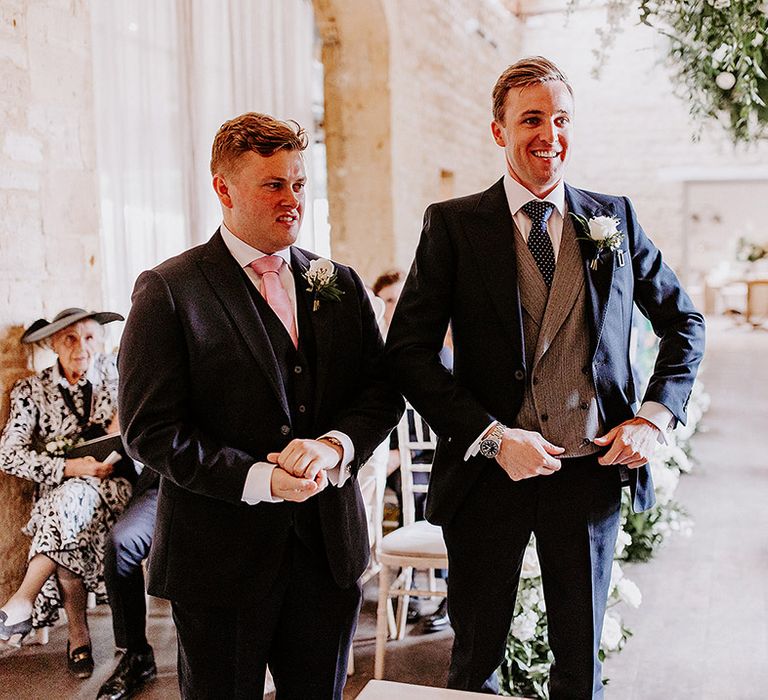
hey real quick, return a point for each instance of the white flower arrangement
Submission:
(58, 446)
(322, 279)
(603, 232)
(732, 85)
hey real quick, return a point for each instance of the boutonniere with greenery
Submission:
(58, 446)
(323, 282)
(603, 232)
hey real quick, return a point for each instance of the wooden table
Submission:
(388, 690)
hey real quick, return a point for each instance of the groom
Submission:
(538, 424)
(256, 400)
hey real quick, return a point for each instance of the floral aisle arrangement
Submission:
(718, 50)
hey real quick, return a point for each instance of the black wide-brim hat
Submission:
(42, 329)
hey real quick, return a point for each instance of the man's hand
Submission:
(632, 442)
(291, 488)
(87, 466)
(307, 458)
(525, 454)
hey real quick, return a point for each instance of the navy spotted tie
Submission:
(539, 242)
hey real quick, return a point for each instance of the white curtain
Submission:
(166, 75)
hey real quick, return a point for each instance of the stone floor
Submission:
(701, 632)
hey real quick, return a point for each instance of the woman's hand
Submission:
(87, 466)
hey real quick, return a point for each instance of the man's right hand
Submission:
(525, 454)
(292, 488)
(87, 466)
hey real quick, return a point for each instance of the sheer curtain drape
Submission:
(166, 75)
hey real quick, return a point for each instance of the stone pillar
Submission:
(49, 230)
(358, 132)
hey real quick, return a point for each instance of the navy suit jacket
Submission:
(202, 398)
(465, 272)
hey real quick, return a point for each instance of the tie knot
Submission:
(267, 263)
(538, 211)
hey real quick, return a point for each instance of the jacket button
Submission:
(535, 380)
(584, 405)
(519, 375)
(297, 369)
(585, 369)
(544, 417)
(302, 408)
(285, 429)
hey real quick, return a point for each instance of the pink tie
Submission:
(268, 268)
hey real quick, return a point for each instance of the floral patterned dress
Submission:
(71, 517)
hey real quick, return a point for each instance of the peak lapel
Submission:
(598, 281)
(323, 321)
(226, 279)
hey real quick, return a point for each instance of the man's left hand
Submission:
(306, 458)
(632, 443)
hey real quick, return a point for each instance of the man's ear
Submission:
(498, 133)
(221, 189)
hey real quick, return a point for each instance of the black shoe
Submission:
(414, 610)
(22, 628)
(133, 671)
(438, 620)
(80, 661)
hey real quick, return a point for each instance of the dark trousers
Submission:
(574, 515)
(303, 629)
(127, 547)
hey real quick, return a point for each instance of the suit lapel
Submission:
(566, 286)
(226, 279)
(322, 320)
(490, 231)
(598, 281)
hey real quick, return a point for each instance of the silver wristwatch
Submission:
(491, 443)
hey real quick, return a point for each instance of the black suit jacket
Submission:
(465, 273)
(201, 399)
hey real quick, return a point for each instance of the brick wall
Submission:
(49, 230)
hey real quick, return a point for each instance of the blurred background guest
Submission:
(77, 500)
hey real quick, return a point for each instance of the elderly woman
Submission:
(77, 499)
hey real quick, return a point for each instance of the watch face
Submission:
(489, 448)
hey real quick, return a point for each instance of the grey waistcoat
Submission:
(559, 400)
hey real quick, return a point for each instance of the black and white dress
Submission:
(71, 517)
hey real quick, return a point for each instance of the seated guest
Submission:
(77, 499)
(127, 548)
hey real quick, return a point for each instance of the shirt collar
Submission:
(245, 254)
(517, 195)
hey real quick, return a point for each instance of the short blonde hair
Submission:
(527, 71)
(256, 132)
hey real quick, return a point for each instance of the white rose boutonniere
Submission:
(604, 232)
(322, 280)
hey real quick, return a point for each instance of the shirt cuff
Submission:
(258, 484)
(339, 475)
(658, 414)
(474, 448)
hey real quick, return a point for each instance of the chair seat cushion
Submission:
(418, 539)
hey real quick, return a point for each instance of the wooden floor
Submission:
(701, 632)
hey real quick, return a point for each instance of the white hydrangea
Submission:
(531, 568)
(524, 625)
(612, 635)
(629, 593)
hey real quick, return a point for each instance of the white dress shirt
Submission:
(517, 196)
(257, 487)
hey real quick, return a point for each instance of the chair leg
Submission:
(432, 581)
(385, 578)
(402, 608)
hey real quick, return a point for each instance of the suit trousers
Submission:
(574, 514)
(303, 629)
(127, 548)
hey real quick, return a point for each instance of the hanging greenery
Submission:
(718, 52)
